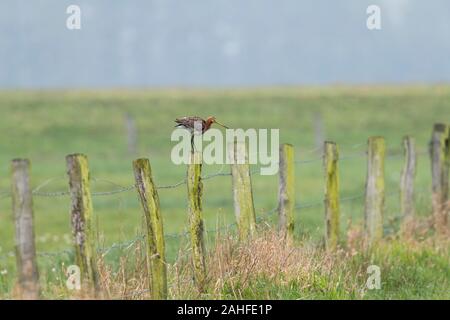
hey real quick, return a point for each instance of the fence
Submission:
(246, 219)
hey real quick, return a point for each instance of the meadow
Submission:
(45, 126)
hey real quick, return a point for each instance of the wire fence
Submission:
(121, 189)
(263, 216)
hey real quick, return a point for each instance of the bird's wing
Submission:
(188, 120)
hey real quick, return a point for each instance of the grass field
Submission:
(46, 126)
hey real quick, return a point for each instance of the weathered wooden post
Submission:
(22, 204)
(156, 262)
(375, 190)
(286, 196)
(242, 190)
(407, 178)
(332, 210)
(196, 228)
(440, 168)
(81, 217)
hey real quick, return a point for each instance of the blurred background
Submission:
(141, 43)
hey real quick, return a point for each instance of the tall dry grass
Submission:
(237, 270)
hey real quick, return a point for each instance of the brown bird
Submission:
(189, 123)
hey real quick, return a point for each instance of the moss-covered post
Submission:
(332, 210)
(407, 178)
(81, 217)
(242, 190)
(286, 195)
(22, 204)
(196, 228)
(156, 262)
(440, 164)
(375, 191)
(443, 221)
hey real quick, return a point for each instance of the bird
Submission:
(193, 123)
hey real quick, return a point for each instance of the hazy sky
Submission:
(222, 43)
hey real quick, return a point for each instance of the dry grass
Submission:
(239, 270)
(236, 266)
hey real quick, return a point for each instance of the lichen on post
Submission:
(149, 199)
(286, 195)
(22, 204)
(375, 191)
(332, 209)
(196, 227)
(81, 217)
(242, 190)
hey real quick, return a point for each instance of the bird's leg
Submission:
(192, 144)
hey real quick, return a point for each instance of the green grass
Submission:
(405, 275)
(46, 126)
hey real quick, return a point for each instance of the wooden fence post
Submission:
(196, 227)
(407, 178)
(440, 167)
(242, 190)
(81, 217)
(286, 197)
(332, 210)
(375, 190)
(156, 262)
(22, 204)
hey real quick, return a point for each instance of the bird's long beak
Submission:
(221, 125)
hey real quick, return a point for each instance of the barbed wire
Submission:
(130, 243)
(46, 182)
(341, 158)
(172, 186)
(390, 154)
(220, 173)
(51, 194)
(121, 245)
(121, 190)
(260, 218)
